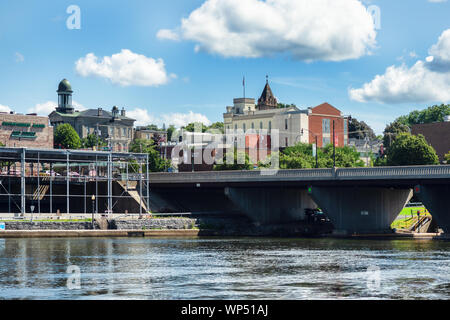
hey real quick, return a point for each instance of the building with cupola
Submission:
(112, 126)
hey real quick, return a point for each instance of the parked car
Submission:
(315, 216)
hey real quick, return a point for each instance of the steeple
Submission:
(267, 99)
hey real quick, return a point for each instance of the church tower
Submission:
(65, 97)
(267, 99)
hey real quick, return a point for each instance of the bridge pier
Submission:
(271, 205)
(361, 210)
(435, 199)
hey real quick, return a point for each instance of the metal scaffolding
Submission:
(119, 182)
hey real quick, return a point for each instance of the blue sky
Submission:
(178, 83)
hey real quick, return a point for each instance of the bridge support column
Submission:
(271, 205)
(435, 199)
(361, 210)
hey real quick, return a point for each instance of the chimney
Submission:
(122, 112)
(100, 112)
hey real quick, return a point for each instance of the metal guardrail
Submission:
(412, 172)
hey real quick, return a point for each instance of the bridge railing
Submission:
(416, 172)
(393, 172)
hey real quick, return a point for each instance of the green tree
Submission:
(434, 113)
(170, 130)
(155, 162)
(191, 126)
(284, 105)
(217, 126)
(447, 157)
(409, 149)
(92, 140)
(360, 130)
(300, 156)
(242, 164)
(66, 137)
(391, 132)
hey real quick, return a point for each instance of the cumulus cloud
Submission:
(425, 81)
(45, 108)
(331, 30)
(125, 68)
(4, 108)
(178, 119)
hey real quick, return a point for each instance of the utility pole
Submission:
(317, 152)
(334, 147)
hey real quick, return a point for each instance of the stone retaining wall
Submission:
(47, 225)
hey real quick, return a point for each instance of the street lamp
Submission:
(93, 208)
(32, 209)
(317, 147)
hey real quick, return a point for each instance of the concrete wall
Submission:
(271, 205)
(435, 199)
(361, 210)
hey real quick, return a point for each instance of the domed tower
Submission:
(65, 97)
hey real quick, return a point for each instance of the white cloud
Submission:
(437, 1)
(425, 81)
(125, 68)
(168, 34)
(331, 30)
(19, 57)
(44, 109)
(4, 108)
(143, 117)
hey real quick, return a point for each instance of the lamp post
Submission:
(93, 210)
(317, 147)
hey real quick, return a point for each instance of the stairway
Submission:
(422, 224)
(130, 187)
(40, 192)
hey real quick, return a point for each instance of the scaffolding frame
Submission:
(103, 166)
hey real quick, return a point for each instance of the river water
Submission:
(229, 268)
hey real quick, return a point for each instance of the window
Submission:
(253, 125)
(243, 127)
(270, 125)
(325, 141)
(285, 124)
(261, 125)
(326, 126)
(124, 132)
(235, 127)
(111, 131)
(286, 141)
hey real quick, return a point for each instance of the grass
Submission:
(409, 217)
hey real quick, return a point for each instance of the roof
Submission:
(267, 97)
(93, 113)
(64, 86)
(326, 108)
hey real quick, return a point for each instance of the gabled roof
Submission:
(326, 108)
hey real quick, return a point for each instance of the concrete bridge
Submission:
(357, 200)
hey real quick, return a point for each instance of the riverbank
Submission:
(154, 226)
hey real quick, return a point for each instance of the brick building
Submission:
(437, 134)
(320, 120)
(30, 130)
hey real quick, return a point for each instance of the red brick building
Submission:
(20, 130)
(320, 121)
(437, 134)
